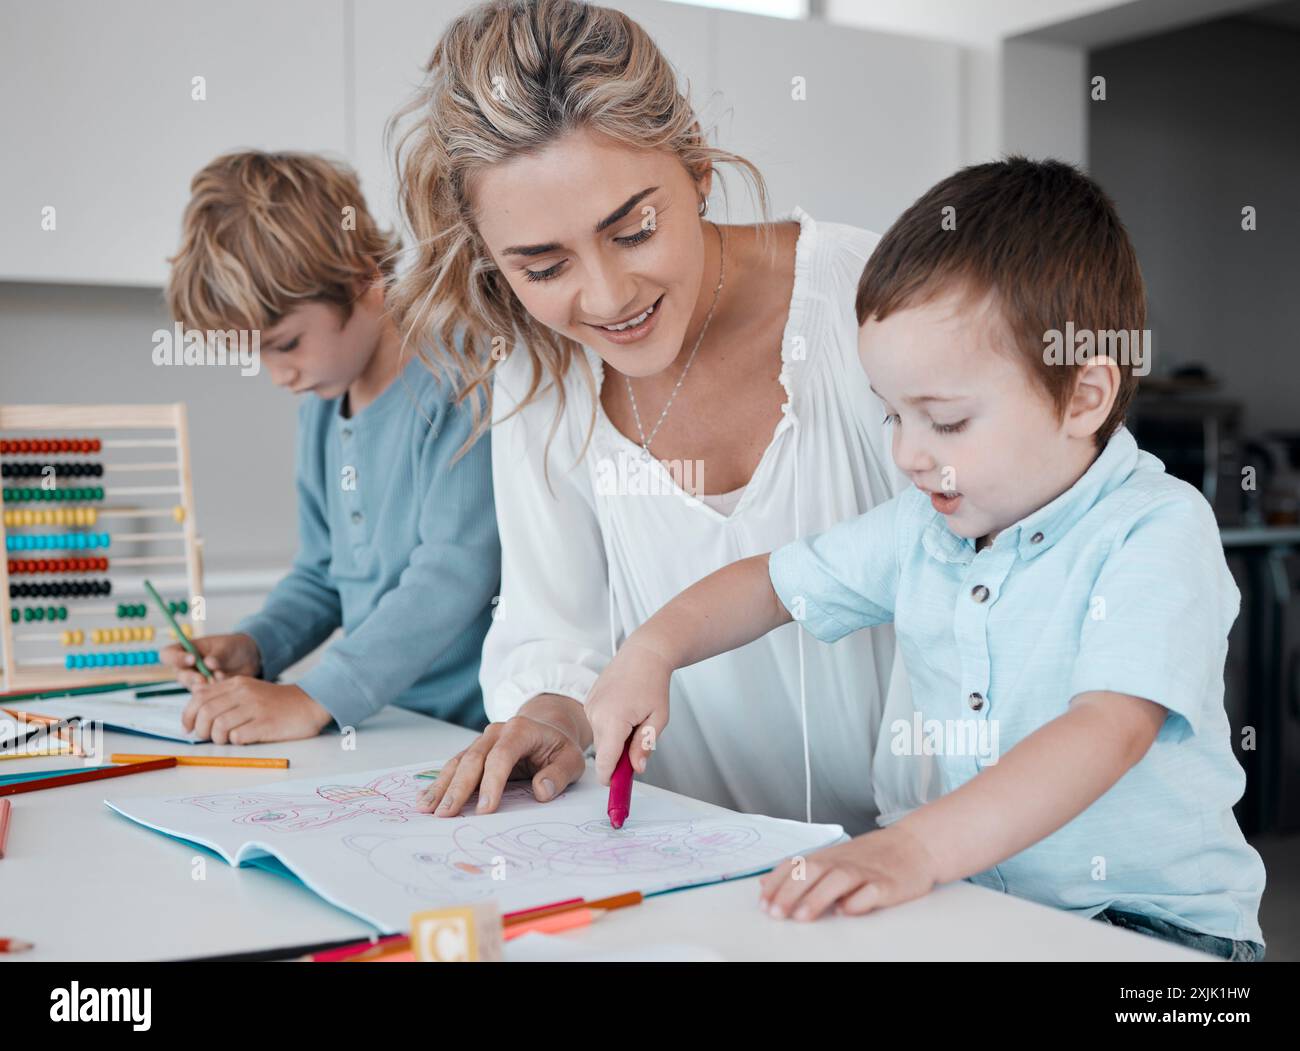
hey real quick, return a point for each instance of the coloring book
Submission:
(357, 841)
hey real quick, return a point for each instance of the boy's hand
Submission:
(629, 699)
(886, 867)
(225, 655)
(242, 710)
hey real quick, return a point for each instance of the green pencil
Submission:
(69, 691)
(180, 635)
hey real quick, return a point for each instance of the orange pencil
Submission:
(5, 809)
(201, 760)
(618, 901)
(89, 775)
(14, 945)
(568, 920)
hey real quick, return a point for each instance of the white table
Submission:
(84, 883)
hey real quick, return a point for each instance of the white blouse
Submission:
(787, 725)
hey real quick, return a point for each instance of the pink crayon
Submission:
(620, 789)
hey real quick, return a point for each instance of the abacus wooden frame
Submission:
(100, 418)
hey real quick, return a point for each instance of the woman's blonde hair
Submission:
(265, 232)
(508, 78)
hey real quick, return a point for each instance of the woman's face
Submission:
(591, 234)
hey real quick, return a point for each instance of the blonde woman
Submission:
(668, 395)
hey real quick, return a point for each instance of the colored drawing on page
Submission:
(389, 798)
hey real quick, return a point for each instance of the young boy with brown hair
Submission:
(1062, 604)
(397, 533)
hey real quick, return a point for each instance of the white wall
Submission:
(882, 119)
(97, 100)
(97, 119)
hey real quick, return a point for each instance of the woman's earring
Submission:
(704, 204)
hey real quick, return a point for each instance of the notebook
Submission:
(357, 841)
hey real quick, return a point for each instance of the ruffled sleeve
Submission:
(550, 628)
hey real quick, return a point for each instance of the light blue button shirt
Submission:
(398, 546)
(1120, 584)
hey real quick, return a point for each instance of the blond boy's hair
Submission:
(265, 232)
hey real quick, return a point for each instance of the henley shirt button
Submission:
(1037, 538)
(356, 517)
(979, 592)
(346, 432)
(976, 701)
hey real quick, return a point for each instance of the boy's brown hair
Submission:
(265, 232)
(1040, 236)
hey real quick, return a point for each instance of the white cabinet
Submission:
(99, 122)
(878, 123)
(98, 119)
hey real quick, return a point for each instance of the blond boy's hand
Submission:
(243, 710)
(886, 867)
(225, 656)
(630, 699)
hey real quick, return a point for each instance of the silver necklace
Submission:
(722, 275)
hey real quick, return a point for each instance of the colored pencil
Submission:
(38, 750)
(89, 775)
(617, 901)
(180, 635)
(287, 953)
(14, 945)
(555, 906)
(71, 691)
(342, 952)
(568, 920)
(201, 760)
(5, 810)
(36, 775)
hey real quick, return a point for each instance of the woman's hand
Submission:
(225, 656)
(885, 867)
(545, 742)
(630, 699)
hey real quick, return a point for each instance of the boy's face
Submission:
(311, 349)
(969, 424)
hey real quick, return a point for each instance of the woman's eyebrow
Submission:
(608, 221)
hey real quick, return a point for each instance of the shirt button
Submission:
(346, 432)
(976, 701)
(1037, 538)
(979, 592)
(356, 517)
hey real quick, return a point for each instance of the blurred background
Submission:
(1184, 110)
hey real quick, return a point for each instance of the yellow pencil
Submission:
(202, 760)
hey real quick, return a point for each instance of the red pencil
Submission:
(620, 789)
(88, 775)
(5, 808)
(519, 914)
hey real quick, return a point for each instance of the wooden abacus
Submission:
(86, 486)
